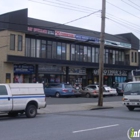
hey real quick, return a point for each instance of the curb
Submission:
(103, 107)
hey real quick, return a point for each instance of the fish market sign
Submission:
(111, 72)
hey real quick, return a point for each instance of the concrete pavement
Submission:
(77, 107)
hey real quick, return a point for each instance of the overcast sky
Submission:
(122, 16)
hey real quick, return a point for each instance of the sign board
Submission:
(111, 72)
(23, 69)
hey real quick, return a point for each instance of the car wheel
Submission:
(57, 95)
(87, 95)
(130, 108)
(31, 111)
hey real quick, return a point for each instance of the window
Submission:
(63, 51)
(89, 54)
(28, 47)
(85, 54)
(77, 52)
(110, 56)
(72, 52)
(97, 55)
(81, 50)
(132, 57)
(120, 56)
(93, 54)
(113, 57)
(117, 57)
(68, 52)
(19, 42)
(32, 47)
(59, 50)
(135, 57)
(3, 90)
(43, 49)
(38, 48)
(12, 42)
(54, 50)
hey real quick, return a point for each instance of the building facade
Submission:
(33, 50)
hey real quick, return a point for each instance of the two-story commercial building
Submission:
(34, 50)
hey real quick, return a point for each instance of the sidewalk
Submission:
(77, 107)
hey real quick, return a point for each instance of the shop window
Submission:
(63, 51)
(59, 50)
(89, 54)
(93, 54)
(28, 47)
(81, 50)
(19, 42)
(43, 48)
(85, 54)
(72, 52)
(38, 48)
(12, 42)
(32, 47)
(77, 52)
(68, 52)
(54, 50)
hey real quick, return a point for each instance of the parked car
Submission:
(120, 88)
(60, 89)
(109, 91)
(89, 92)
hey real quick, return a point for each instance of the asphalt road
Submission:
(107, 124)
(78, 100)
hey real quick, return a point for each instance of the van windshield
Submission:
(132, 88)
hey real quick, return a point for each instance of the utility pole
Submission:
(101, 54)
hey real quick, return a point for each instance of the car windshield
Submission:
(132, 87)
(68, 86)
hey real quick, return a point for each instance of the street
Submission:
(103, 124)
(72, 100)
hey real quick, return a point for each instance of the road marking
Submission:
(95, 128)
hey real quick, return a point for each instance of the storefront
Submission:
(50, 74)
(24, 73)
(110, 76)
(76, 75)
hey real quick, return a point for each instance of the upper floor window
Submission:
(132, 56)
(12, 42)
(135, 57)
(19, 42)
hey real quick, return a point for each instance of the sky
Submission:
(122, 16)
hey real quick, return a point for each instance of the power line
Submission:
(65, 4)
(82, 17)
(123, 10)
(131, 5)
(83, 11)
(77, 5)
(124, 25)
(134, 3)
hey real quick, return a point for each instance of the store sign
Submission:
(65, 34)
(75, 71)
(39, 30)
(23, 69)
(111, 72)
(87, 38)
(118, 44)
(49, 69)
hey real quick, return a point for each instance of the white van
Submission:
(18, 98)
(131, 97)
